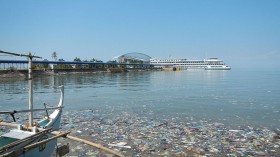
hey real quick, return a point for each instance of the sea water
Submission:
(236, 97)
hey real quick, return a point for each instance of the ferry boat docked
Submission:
(184, 64)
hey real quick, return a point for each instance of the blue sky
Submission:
(240, 32)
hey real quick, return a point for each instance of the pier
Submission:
(21, 65)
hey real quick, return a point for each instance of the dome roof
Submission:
(136, 56)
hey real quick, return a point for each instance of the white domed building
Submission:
(133, 57)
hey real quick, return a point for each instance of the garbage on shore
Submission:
(135, 134)
(139, 134)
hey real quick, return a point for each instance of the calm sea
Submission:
(235, 97)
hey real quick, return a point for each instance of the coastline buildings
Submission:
(128, 60)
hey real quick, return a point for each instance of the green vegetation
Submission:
(77, 59)
(59, 64)
(135, 61)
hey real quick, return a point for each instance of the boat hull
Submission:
(14, 142)
(44, 150)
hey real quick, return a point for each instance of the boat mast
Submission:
(30, 56)
(30, 89)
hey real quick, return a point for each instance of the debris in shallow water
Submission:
(143, 135)
(120, 145)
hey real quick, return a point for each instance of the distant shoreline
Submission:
(24, 73)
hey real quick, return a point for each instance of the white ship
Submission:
(183, 64)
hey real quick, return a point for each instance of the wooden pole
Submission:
(94, 145)
(8, 124)
(29, 80)
(30, 89)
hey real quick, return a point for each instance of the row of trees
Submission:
(54, 57)
(66, 66)
(91, 60)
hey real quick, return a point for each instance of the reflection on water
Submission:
(233, 97)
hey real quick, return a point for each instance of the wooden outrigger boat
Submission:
(37, 139)
(16, 142)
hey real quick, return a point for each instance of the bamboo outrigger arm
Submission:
(33, 110)
(12, 113)
(21, 55)
(34, 145)
(88, 143)
(65, 135)
(6, 147)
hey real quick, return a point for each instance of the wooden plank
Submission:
(6, 147)
(13, 153)
(31, 146)
(34, 145)
(73, 138)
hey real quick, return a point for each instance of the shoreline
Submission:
(6, 74)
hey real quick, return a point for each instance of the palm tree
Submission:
(54, 56)
(77, 59)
